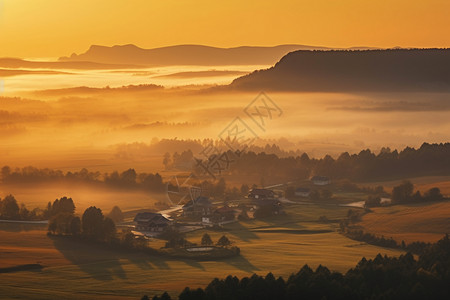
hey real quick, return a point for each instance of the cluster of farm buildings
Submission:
(206, 213)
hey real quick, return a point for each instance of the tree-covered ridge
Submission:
(383, 277)
(275, 164)
(429, 159)
(339, 71)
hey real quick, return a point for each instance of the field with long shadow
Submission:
(74, 270)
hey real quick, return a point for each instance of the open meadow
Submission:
(409, 222)
(73, 270)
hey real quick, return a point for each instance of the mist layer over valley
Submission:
(71, 130)
(111, 115)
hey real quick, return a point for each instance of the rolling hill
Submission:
(340, 71)
(187, 55)
(17, 63)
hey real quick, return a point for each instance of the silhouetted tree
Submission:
(188, 294)
(6, 172)
(244, 190)
(92, 223)
(403, 192)
(206, 240)
(109, 229)
(75, 226)
(223, 241)
(433, 194)
(128, 177)
(416, 197)
(24, 212)
(116, 214)
(164, 296)
(61, 223)
(9, 208)
(63, 205)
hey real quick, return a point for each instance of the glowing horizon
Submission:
(51, 28)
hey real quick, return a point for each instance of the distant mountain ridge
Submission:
(340, 71)
(188, 55)
(16, 63)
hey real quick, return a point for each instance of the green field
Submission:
(73, 270)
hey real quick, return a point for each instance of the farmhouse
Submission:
(221, 214)
(321, 180)
(302, 192)
(201, 206)
(149, 221)
(224, 213)
(261, 194)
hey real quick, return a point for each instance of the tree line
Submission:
(11, 210)
(128, 179)
(428, 159)
(93, 225)
(383, 277)
(346, 227)
(404, 193)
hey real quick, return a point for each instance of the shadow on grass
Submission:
(194, 264)
(95, 260)
(241, 232)
(158, 261)
(241, 263)
(20, 227)
(140, 262)
(102, 263)
(28, 267)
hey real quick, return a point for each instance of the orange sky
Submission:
(52, 28)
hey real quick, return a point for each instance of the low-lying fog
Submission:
(74, 131)
(83, 196)
(118, 128)
(168, 76)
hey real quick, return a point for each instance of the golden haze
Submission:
(30, 28)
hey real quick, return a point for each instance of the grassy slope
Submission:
(76, 270)
(413, 222)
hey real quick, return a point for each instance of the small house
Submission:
(302, 192)
(201, 206)
(320, 180)
(149, 221)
